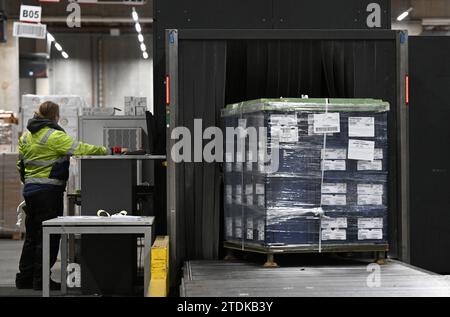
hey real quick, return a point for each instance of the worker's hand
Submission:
(117, 150)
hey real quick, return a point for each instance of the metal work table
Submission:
(92, 225)
(108, 182)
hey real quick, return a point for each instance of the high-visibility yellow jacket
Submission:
(44, 156)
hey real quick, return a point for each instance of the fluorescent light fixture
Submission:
(138, 27)
(143, 47)
(65, 55)
(50, 37)
(141, 38)
(402, 16)
(58, 47)
(145, 55)
(135, 15)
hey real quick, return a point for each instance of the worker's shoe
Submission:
(22, 283)
(54, 286)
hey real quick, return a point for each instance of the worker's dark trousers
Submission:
(40, 207)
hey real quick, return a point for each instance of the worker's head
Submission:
(49, 110)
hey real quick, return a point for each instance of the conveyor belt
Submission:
(234, 279)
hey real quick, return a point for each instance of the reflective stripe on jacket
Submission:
(44, 156)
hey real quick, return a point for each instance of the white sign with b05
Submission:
(30, 14)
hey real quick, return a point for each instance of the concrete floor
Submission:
(327, 278)
(10, 251)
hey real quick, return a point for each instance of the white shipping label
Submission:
(311, 131)
(361, 150)
(250, 229)
(284, 128)
(370, 199)
(334, 200)
(334, 154)
(334, 188)
(378, 154)
(334, 165)
(284, 134)
(283, 120)
(261, 155)
(370, 234)
(238, 199)
(336, 223)
(370, 223)
(370, 189)
(261, 201)
(259, 189)
(229, 226)
(228, 157)
(327, 123)
(261, 167)
(239, 157)
(261, 230)
(249, 199)
(249, 189)
(336, 234)
(238, 232)
(361, 127)
(370, 166)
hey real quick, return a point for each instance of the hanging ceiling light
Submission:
(402, 16)
(138, 28)
(135, 15)
(58, 46)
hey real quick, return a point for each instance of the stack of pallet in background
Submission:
(69, 109)
(330, 186)
(10, 186)
(10, 193)
(8, 132)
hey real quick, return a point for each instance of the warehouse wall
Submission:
(9, 72)
(102, 69)
(125, 72)
(72, 76)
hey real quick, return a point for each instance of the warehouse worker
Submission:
(43, 165)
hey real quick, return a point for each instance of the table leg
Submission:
(147, 250)
(64, 263)
(45, 262)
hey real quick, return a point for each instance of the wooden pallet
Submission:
(379, 251)
(17, 236)
(13, 235)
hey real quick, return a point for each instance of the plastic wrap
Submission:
(321, 193)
